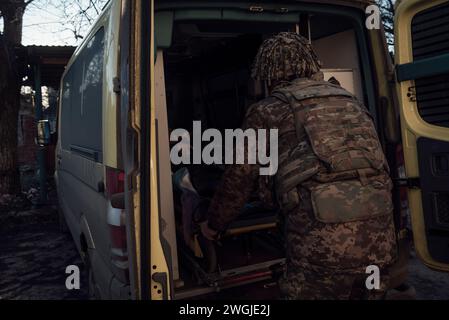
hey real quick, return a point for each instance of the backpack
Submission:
(341, 154)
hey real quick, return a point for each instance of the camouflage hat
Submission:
(284, 56)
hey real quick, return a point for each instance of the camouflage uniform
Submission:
(332, 186)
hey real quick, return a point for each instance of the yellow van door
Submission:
(159, 251)
(422, 59)
(150, 276)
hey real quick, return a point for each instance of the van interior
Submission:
(204, 75)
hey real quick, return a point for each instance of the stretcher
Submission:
(250, 250)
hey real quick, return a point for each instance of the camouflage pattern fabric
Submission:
(285, 56)
(335, 199)
(309, 282)
(341, 249)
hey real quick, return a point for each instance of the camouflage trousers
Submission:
(319, 283)
(329, 261)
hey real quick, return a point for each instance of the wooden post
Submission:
(40, 149)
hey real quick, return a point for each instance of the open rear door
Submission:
(150, 276)
(156, 277)
(422, 58)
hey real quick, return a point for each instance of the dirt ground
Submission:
(34, 254)
(429, 284)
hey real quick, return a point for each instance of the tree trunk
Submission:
(9, 111)
(13, 21)
(12, 13)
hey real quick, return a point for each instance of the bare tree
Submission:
(80, 15)
(11, 12)
(75, 15)
(387, 11)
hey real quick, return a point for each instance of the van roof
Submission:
(346, 2)
(351, 3)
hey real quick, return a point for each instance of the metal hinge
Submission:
(412, 183)
(117, 88)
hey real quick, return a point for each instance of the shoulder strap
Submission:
(294, 95)
(311, 89)
(299, 117)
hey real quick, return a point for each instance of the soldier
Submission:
(332, 186)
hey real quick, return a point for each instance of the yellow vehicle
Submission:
(160, 65)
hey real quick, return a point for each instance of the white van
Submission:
(148, 67)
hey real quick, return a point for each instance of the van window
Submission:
(82, 100)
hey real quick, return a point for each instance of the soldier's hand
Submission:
(207, 232)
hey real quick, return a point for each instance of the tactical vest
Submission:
(337, 148)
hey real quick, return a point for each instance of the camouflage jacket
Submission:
(240, 181)
(313, 208)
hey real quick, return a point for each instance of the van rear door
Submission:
(422, 59)
(149, 271)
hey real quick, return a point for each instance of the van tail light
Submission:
(118, 246)
(118, 237)
(116, 218)
(115, 181)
